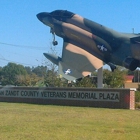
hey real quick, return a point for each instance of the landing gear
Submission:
(54, 42)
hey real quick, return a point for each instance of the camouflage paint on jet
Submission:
(87, 44)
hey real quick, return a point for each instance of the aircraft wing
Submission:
(76, 62)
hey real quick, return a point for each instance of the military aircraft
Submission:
(88, 45)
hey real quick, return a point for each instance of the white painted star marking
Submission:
(68, 71)
(102, 48)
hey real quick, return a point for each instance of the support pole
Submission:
(100, 78)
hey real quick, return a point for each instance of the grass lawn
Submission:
(45, 122)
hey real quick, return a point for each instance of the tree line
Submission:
(19, 75)
(47, 76)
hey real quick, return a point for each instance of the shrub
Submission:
(137, 96)
(137, 105)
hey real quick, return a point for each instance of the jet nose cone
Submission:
(39, 16)
(42, 15)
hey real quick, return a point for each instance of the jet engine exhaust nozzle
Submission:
(130, 63)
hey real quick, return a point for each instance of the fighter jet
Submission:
(87, 45)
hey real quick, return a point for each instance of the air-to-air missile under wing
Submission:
(88, 45)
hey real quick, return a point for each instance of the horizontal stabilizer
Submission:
(135, 40)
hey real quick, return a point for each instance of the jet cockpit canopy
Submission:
(61, 14)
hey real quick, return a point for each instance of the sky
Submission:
(24, 39)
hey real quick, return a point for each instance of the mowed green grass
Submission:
(45, 122)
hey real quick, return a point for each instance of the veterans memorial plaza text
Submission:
(69, 95)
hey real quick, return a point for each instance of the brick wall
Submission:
(132, 99)
(88, 97)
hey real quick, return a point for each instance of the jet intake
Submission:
(130, 63)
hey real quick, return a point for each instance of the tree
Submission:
(114, 79)
(28, 70)
(52, 78)
(9, 72)
(85, 82)
(29, 80)
(40, 71)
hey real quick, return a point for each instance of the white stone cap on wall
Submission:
(134, 89)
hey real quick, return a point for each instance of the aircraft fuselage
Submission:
(104, 43)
